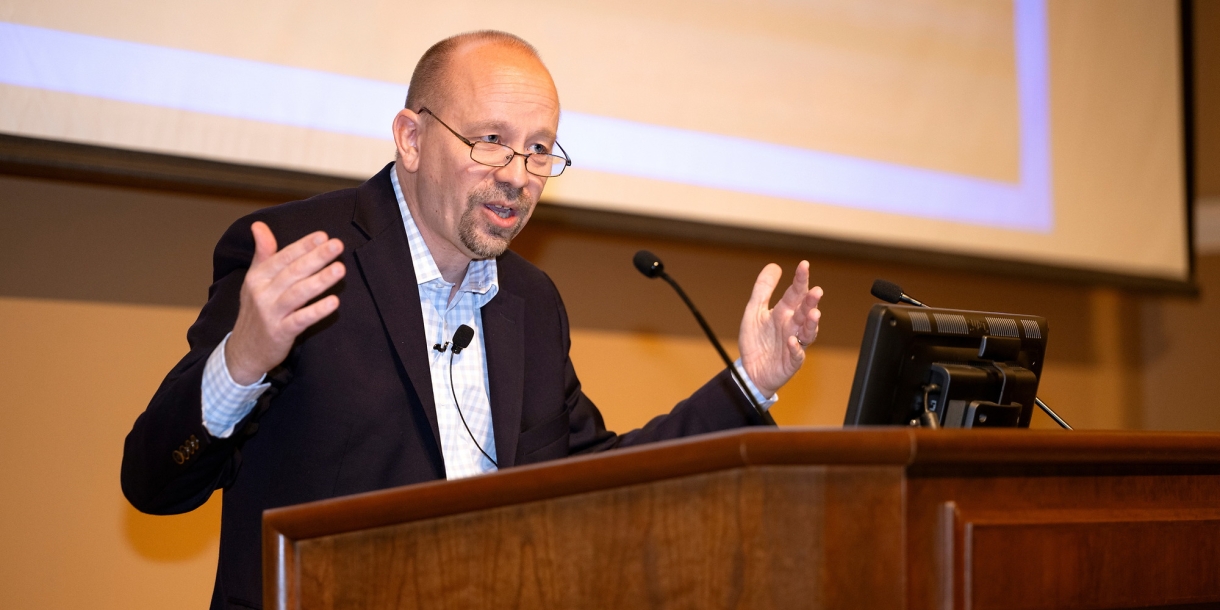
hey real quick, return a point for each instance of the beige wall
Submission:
(75, 376)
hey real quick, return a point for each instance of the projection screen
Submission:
(1026, 130)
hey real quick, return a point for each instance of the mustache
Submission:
(498, 191)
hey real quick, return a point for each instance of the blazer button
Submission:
(179, 458)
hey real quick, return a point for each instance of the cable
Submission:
(928, 419)
(453, 390)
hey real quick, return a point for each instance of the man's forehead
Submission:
(492, 54)
(500, 74)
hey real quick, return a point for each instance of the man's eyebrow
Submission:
(494, 126)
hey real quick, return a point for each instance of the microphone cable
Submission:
(461, 339)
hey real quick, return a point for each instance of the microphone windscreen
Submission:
(887, 291)
(462, 337)
(648, 263)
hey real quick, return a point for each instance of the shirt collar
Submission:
(482, 276)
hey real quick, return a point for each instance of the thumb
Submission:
(264, 242)
(764, 287)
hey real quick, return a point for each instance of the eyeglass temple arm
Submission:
(567, 161)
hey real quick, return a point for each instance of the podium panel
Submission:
(1124, 558)
(735, 538)
(781, 518)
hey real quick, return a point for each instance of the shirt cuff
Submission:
(753, 390)
(225, 402)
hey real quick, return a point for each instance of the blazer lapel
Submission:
(385, 264)
(504, 338)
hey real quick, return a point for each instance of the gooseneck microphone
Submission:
(892, 293)
(461, 340)
(652, 268)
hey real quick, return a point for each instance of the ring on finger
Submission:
(801, 343)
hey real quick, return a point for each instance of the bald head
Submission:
(433, 78)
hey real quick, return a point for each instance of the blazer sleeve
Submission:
(171, 464)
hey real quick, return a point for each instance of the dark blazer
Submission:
(351, 409)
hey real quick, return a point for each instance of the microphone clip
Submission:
(441, 348)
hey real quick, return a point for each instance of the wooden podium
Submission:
(781, 518)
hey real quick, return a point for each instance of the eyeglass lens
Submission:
(499, 155)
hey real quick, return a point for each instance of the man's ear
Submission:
(406, 139)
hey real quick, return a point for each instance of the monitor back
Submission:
(906, 348)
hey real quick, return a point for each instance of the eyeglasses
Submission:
(500, 155)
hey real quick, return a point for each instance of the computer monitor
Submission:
(967, 368)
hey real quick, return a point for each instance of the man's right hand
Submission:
(277, 286)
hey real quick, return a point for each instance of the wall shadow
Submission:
(172, 537)
(64, 240)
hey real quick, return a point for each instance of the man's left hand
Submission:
(771, 338)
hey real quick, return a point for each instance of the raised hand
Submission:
(771, 340)
(273, 297)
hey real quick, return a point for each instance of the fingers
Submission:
(266, 268)
(303, 318)
(283, 281)
(796, 292)
(796, 353)
(808, 330)
(796, 314)
(801, 276)
(303, 263)
(808, 316)
(809, 301)
(304, 290)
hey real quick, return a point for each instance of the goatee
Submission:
(485, 239)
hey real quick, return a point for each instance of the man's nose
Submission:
(514, 173)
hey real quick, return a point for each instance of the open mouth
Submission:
(501, 211)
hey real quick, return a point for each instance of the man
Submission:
(326, 368)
